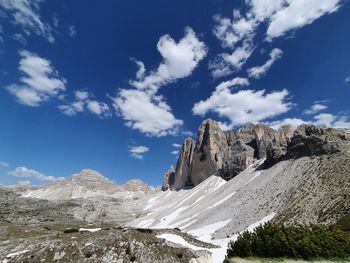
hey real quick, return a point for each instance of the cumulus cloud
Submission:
(295, 14)
(26, 15)
(141, 107)
(322, 119)
(278, 16)
(138, 152)
(177, 145)
(84, 102)
(260, 71)
(228, 63)
(245, 105)
(315, 108)
(179, 60)
(175, 152)
(295, 122)
(229, 32)
(146, 112)
(24, 172)
(4, 165)
(40, 82)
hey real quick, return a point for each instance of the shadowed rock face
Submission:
(183, 166)
(168, 179)
(306, 140)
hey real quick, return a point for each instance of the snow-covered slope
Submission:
(303, 190)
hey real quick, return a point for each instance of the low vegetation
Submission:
(276, 241)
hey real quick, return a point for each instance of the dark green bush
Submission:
(273, 240)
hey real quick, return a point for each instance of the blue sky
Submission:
(117, 86)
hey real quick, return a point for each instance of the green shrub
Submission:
(274, 241)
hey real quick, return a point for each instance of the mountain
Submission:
(257, 174)
(86, 184)
(224, 183)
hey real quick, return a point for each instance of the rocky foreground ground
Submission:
(33, 230)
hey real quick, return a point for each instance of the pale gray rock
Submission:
(182, 176)
(136, 185)
(237, 158)
(208, 155)
(277, 149)
(311, 140)
(168, 179)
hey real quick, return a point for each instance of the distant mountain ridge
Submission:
(86, 184)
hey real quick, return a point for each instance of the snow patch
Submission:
(179, 240)
(221, 201)
(92, 230)
(14, 254)
(261, 222)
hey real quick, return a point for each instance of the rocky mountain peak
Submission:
(90, 173)
(136, 185)
(232, 152)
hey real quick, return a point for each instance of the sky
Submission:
(117, 86)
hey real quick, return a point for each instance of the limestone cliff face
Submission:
(232, 152)
(208, 154)
(184, 164)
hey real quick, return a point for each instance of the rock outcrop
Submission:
(183, 166)
(168, 179)
(232, 152)
(208, 154)
(306, 140)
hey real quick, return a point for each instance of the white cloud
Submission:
(315, 108)
(230, 32)
(342, 122)
(323, 119)
(138, 152)
(331, 120)
(72, 32)
(4, 165)
(295, 14)
(225, 126)
(177, 145)
(347, 79)
(146, 112)
(187, 133)
(84, 102)
(25, 13)
(175, 152)
(295, 122)
(179, 60)
(24, 172)
(260, 71)
(281, 16)
(226, 63)
(39, 83)
(245, 105)
(263, 9)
